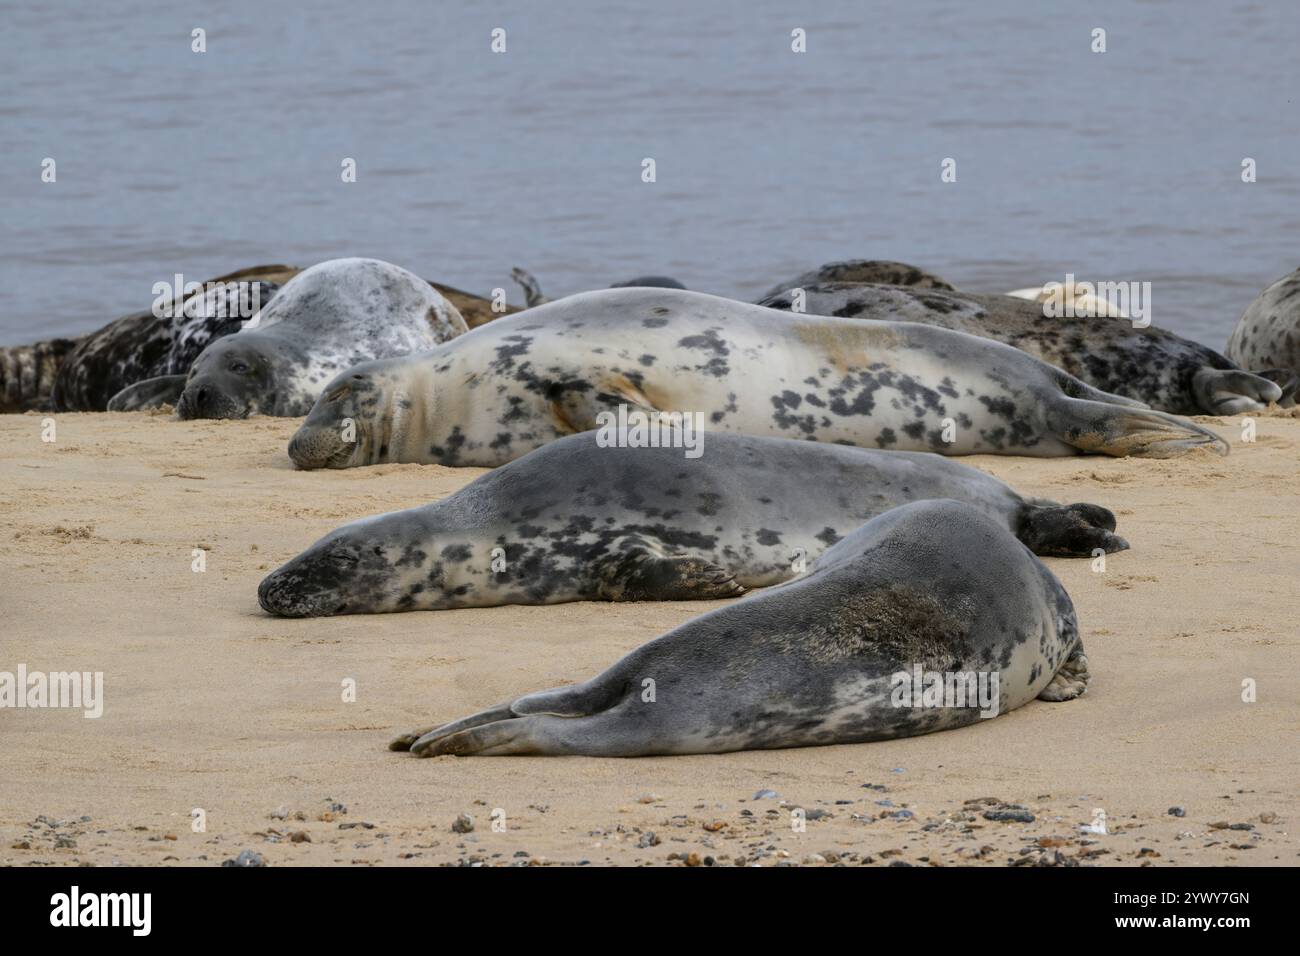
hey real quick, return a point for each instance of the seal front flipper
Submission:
(1068, 531)
(1101, 428)
(1230, 391)
(1070, 680)
(642, 575)
(149, 393)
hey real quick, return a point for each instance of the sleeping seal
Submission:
(580, 520)
(875, 271)
(325, 319)
(930, 588)
(1154, 366)
(522, 381)
(1268, 334)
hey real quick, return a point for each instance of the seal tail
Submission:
(1068, 531)
(1107, 429)
(1229, 391)
(532, 288)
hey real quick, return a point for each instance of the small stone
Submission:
(713, 826)
(463, 824)
(814, 858)
(648, 798)
(693, 859)
(246, 858)
(279, 813)
(1009, 816)
(648, 839)
(299, 836)
(359, 823)
(766, 795)
(1177, 812)
(1268, 816)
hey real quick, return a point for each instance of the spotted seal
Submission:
(1151, 365)
(141, 360)
(325, 319)
(520, 382)
(579, 519)
(83, 374)
(932, 588)
(875, 271)
(1267, 335)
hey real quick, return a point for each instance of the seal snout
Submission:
(203, 400)
(315, 447)
(280, 595)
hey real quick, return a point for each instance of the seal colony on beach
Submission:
(1151, 365)
(518, 383)
(325, 319)
(577, 520)
(935, 587)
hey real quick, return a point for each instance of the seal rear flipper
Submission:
(546, 722)
(1287, 380)
(1068, 531)
(149, 393)
(532, 288)
(642, 575)
(1105, 429)
(1071, 678)
(1229, 391)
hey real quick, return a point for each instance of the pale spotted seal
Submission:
(325, 319)
(930, 588)
(1151, 365)
(520, 382)
(581, 520)
(1268, 334)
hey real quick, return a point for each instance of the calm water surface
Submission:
(1122, 165)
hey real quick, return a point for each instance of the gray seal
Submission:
(929, 588)
(581, 520)
(875, 271)
(325, 319)
(1151, 365)
(1267, 335)
(83, 374)
(519, 382)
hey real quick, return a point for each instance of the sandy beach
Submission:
(209, 703)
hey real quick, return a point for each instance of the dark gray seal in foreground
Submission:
(325, 319)
(1151, 365)
(935, 585)
(1268, 334)
(519, 382)
(576, 521)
